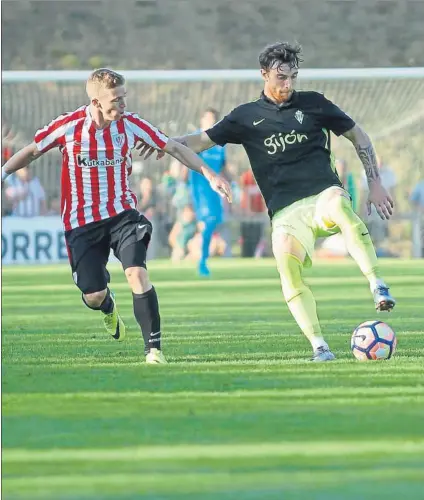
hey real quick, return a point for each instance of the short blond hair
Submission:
(103, 78)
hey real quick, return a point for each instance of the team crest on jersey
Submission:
(119, 140)
(299, 116)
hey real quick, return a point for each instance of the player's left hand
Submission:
(380, 198)
(221, 186)
(146, 151)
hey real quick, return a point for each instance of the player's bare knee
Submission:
(95, 299)
(138, 279)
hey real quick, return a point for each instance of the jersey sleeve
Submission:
(226, 131)
(145, 131)
(333, 118)
(52, 135)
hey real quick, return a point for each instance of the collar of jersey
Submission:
(90, 122)
(268, 103)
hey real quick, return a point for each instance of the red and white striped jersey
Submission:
(96, 163)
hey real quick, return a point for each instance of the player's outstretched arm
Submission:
(20, 159)
(196, 142)
(378, 196)
(190, 159)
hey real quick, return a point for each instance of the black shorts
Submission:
(127, 234)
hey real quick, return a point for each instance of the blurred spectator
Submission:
(181, 197)
(252, 225)
(225, 229)
(148, 198)
(26, 194)
(231, 173)
(6, 153)
(417, 202)
(151, 204)
(177, 199)
(217, 245)
(348, 180)
(170, 178)
(6, 205)
(378, 228)
(165, 192)
(54, 207)
(183, 231)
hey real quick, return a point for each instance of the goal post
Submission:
(387, 102)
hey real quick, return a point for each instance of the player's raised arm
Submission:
(227, 130)
(192, 161)
(45, 139)
(378, 195)
(196, 142)
(20, 159)
(150, 135)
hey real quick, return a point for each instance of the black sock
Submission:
(146, 312)
(106, 306)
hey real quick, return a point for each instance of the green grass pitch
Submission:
(239, 412)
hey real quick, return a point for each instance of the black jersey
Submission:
(288, 145)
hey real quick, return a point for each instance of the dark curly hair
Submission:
(277, 54)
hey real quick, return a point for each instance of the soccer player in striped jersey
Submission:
(98, 208)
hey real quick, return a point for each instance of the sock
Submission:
(146, 312)
(106, 306)
(358, 240)
(207, 234)
(299, 299)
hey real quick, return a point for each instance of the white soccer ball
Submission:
(373, 340)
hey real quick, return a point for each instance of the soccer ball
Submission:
(373, 340)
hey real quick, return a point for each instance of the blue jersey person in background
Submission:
(206, 203)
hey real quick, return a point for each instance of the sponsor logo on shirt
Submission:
(280, 141)
(104, 162)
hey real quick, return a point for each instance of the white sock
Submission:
(318, 342)
(374, 283)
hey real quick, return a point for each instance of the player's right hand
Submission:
(221, 186)
(146, 151)
(382, 201)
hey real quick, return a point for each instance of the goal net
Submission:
(388, 103)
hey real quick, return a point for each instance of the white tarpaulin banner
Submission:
(36, 240)
(32, 240)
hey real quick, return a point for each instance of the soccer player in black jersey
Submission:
(286, 134)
